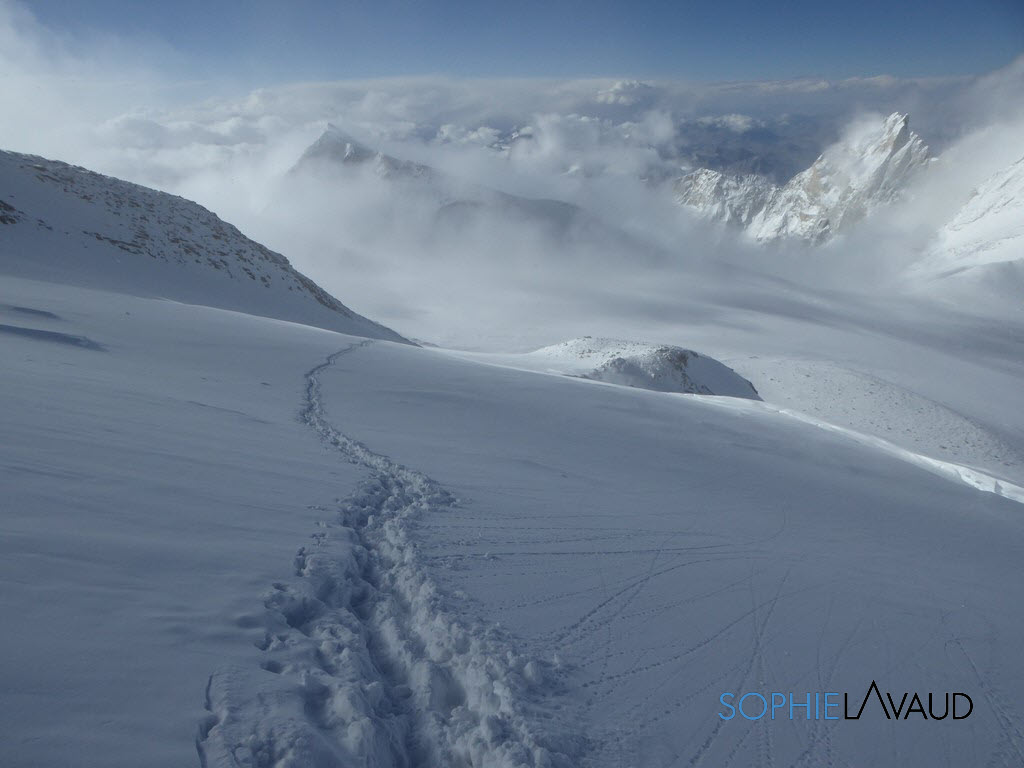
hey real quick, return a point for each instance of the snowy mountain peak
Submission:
(896, 130)
(869, 166)
(339, 145)
(872, 162)
(336, 148)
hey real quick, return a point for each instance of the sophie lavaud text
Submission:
(835, 705)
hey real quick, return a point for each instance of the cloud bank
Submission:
(470, 260)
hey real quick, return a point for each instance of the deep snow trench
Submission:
(369, 667)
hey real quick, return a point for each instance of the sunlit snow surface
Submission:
(153, 487)
(979, 253)
(541, 568)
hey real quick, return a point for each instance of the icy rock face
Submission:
(67, 224)
(734, 200)
(661, 368)
(9, 214)
(987, 230)
(869, 167)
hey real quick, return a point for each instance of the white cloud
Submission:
(609, 147)
(734, 122)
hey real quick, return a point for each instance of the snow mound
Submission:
(870, 166)
(661, 368)
(65, 224)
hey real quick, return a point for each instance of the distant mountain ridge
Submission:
(457, 202)
(868, 168)
(336, 146)
(62, 223)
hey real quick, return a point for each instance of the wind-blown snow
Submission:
(987, 230)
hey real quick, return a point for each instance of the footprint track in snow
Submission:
(363, 661)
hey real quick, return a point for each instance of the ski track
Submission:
(363, 664)
(1009, 749)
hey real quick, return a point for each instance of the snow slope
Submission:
(155, 480)
(385, 555)
(986, 235)
(870, 166)
(933, 378)
(848, 396)
(647, 552)
(66, 224)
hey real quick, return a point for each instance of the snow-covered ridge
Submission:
(988, 229)
(870, 166)
(663, 368)
(66, 224)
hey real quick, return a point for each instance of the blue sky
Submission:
(281, 40)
